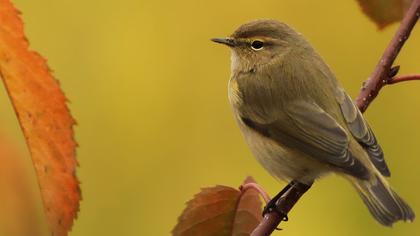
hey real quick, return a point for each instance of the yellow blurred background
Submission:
(149, 91)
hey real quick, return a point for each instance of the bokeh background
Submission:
(149, 91)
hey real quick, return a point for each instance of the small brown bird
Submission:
(299, 122)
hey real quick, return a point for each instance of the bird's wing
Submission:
(307, 127)
(361, 131)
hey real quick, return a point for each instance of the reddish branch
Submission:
(383, 74)
(284, 204)
(403, 78)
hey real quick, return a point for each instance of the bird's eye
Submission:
(257, 45)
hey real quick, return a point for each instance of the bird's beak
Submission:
(226, 41)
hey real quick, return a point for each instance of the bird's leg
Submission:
(272, 204)
(284, 201)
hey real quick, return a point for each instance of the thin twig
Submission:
(403, 78)
(383, 74)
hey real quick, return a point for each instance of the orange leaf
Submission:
(384, 12)
(44, 118)
(18, 214)
(220, 210)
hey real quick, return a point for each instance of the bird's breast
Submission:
(283, 163)
(234, 95)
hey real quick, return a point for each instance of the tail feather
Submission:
(383, 203)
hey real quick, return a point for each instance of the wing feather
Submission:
(361, 131)
(308, 128)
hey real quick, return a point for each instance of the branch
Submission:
(383, 71)
(403, 78)
(284, 204)
(383, 74)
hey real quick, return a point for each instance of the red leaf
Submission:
(384, 12)
(220, 210)
(44, 118)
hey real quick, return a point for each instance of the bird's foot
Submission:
(272, 207)
(272, 204)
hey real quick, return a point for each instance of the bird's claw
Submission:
(272, 207)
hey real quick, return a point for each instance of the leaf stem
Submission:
(258, 188)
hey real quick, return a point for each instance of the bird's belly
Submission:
(283, 163)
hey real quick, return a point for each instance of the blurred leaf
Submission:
(220, 210)
(18, 212)
(44, 118)
(384, 12)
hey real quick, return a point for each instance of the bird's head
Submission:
(259, 42)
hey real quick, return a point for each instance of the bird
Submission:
(299, 122)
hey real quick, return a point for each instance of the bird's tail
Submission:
(383, 203)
